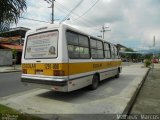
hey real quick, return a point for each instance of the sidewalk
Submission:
(5, 69)
(148, 100)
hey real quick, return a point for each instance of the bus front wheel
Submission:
(95, 82)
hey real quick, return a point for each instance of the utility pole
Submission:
(154, 40)
(104, 30)
(52, 12)
(52, 6)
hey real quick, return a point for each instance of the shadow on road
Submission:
(106, 89)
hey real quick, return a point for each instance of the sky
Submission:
(132, 23)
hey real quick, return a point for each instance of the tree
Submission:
(129, 50)
(10, 12)
(148, 56)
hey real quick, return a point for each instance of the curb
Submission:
(130, 104)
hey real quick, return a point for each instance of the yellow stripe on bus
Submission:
(73, 68)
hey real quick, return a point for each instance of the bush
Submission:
(147, 63)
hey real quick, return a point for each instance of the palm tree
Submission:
(10, 12)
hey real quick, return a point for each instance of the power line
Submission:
(47, 21)
(87, 10)
(67, 16)
(34, 20)
(61, 9)
(48, 1)
(85, 21)
(62, 6)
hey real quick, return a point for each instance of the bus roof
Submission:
(58, 25)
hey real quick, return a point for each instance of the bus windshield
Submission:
(42, 45)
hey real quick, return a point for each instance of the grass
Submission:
(6, 112)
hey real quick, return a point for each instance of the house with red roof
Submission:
(12, 40)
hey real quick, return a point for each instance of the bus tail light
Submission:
(24, 71)
(59, 73)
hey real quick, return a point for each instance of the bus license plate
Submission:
(39, 72)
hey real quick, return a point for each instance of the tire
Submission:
(117, 75)
(95, 82)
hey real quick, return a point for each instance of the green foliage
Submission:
(129, 50)
(6, 111)
(14, 52)
(10, 12)
(147, 62)
(148, 56)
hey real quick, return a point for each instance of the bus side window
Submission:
(107, 50)
(78, 46)
(100, 49)
(72, 41)
(96, 49)
(112, 52)
(116, 52)
(84, 46)
(72, 38)
(73, 51)
(93, 48)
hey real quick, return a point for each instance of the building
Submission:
(5, 57)
(13, 40)
(121, 48)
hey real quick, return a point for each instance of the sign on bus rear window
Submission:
(42, 45)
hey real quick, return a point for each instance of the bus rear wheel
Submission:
(117, 75)
(95, 82)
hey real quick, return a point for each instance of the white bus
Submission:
(63, 58)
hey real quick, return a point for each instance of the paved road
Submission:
(130, 63)
(111, 97)
(10, 84)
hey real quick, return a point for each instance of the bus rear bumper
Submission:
(54, 83)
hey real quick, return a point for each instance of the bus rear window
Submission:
(42, 45)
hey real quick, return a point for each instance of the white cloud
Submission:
(132, 22)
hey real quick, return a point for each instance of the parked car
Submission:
(154, 60)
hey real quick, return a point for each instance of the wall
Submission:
(5, 57)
